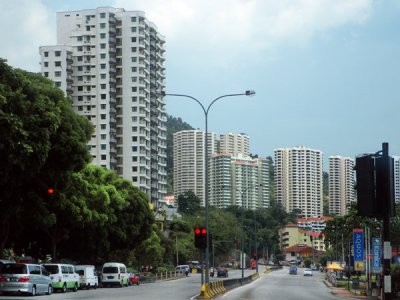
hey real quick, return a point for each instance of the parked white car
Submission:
(114, 274)
(63, 277)
(307, 272)
(87, 276)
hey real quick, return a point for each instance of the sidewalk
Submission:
(343, 292)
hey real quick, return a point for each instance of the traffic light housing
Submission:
(50, 191)
(375, 185)
(200, 238)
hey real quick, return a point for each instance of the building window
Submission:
(133, 29)
(103, 76)
(102, 35)
(57, 53)
(134, 148)
(79, 58)
(134, 69)
(57, 73)
(103, 96)
(46, 63)
(46, 54)
(133, 49)
(103, 126)
(103, 66)
(134, 79)
(133, 19)
(80, 68)
(134, 59)
(103, 136)
(134, 129)
(102, 15)
(133, 39)
(103, 146)
(103, 46)
(57, 63)
(134, 109)
(134, 158)
(103, 106)
(103, 25)
(134, 139)
(103, 86)
(134, 89)
(103, 116)
(134, 99)
(134, 119)
(103, 157)
(79, 39)
(58, 83)
(102, 55)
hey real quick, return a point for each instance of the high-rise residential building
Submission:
(110, 63)
(396, 179)
(240, 181)
(341, 184)
(189, 166)
(298, 180)
(235, 144)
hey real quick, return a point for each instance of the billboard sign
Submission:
(376, 256)
(358, 241)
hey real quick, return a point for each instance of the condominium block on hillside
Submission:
(396, 178)
(235, 144)
(298, 180)
(341, 184)
(189, 165)
(240, 181)
(110, 63)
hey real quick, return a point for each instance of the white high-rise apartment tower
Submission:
(396, 179)
(241, 181)
(110, 63)
(235, 144)
(298, 180)
(189, 167)
(341, 184)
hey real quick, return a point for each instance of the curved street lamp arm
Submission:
(224, 96)
(187, 96)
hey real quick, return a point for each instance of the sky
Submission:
(326, 72)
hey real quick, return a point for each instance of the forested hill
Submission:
(173, 125)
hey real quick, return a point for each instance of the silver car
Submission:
(25, 279)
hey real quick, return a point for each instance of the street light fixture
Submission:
(206, 110)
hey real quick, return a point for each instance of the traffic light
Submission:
(384, 193)
(50, 191)
(365, 186)
(200, 238)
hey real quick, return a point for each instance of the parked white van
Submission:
(63, 277)
(87, 276)
(114, 274)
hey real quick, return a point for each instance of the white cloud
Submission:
(226, 30)
(24, 26)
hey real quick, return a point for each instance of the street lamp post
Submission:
(206, 110)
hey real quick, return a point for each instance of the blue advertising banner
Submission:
(376, 256)
(358, 240)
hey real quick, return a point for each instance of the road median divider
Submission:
(218, 287)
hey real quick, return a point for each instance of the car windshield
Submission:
(14, 269)
(110, 270)
(52, 269)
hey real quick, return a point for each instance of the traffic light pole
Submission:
(387, 249)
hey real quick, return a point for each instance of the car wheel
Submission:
(33, 293)
(64, 288)
(49, 290)
(95, 286)
(75, 289)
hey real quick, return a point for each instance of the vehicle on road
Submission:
(212, 272)
(114, 274)
(307, 272)
(293, 270)
(29, 279)
(133, 279)
(184, 269)
(63, 277)
(222, 272)
(87, 276)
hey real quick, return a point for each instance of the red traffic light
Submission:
(50, 191)
(203, 231)
(197, 231)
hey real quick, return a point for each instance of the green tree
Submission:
(188, 203)
(43, 140)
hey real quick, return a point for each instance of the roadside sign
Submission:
(376, 256)
(358, 239)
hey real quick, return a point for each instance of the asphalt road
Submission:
(280, 285)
